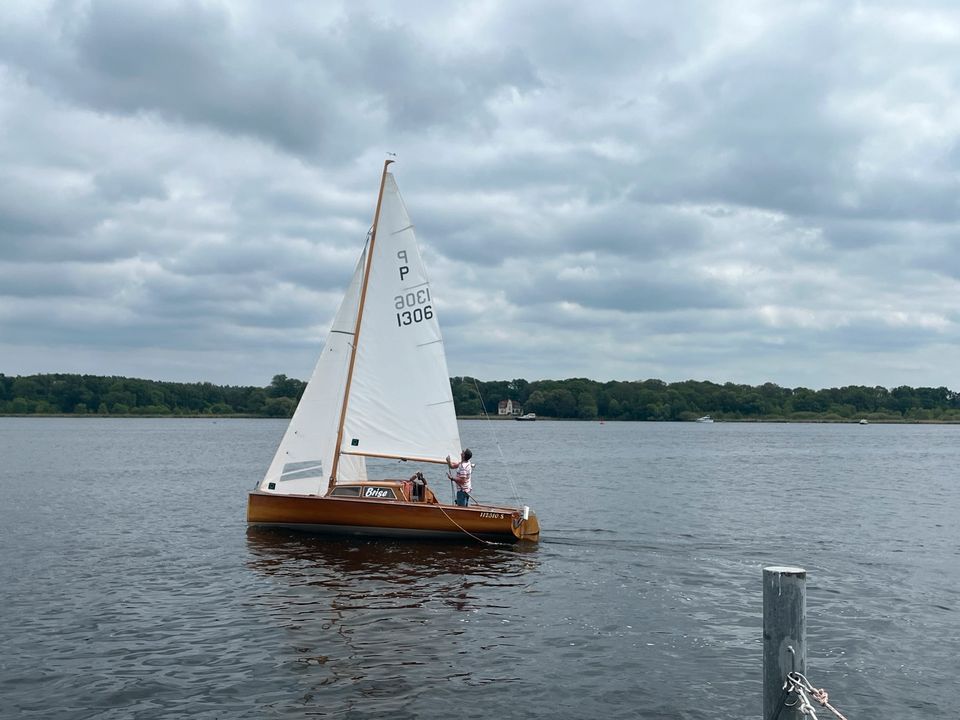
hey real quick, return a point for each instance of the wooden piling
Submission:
(784, 635)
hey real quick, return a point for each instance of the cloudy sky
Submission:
(738, 191)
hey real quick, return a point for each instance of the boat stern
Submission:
(526, 526)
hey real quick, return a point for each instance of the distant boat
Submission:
(382, 393)
(528, 416)
(705, 419)
(864, 421)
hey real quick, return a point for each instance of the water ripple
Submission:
(131, 588)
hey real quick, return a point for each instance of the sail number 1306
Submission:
(413, 307)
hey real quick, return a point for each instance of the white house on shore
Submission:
(509, 407)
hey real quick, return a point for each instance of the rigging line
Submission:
(367, 260)
(469, 495)
(496, 441)
(454, 489)
(478, 539)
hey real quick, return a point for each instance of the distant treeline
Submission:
(576, 398)
(94, 394)
(688, 400)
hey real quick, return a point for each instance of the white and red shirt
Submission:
(464, 471)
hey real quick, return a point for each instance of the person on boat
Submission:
(419, 486)
(464, 472)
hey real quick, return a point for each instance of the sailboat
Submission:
(380, 389)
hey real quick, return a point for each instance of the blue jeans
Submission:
(462, 498)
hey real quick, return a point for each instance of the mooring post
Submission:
(784, 635)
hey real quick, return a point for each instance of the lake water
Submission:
(130, 586)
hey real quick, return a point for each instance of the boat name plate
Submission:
(378, 492)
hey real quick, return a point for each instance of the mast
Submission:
(356, 330)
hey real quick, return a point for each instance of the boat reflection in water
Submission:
(337, 574)
(385, 628)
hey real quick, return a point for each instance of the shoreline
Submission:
(241, 416)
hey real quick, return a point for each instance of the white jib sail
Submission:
(400, 401)
(304, 459)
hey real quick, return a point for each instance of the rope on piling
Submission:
(797, 684)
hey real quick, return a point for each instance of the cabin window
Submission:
(346, 491)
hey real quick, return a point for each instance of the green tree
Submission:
(283, 387)
(586, 406)
(21, 406)
(279, 407)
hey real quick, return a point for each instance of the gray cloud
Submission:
(743, 193)
(309, 89)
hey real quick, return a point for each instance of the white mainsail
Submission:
(400, 404)
(400, 401)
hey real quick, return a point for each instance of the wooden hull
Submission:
(360, 516)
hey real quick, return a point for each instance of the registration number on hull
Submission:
(492, 516)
